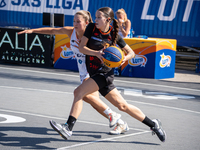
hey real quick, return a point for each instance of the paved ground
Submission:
(185, 76)
(30, 97)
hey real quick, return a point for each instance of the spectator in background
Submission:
(124, 23)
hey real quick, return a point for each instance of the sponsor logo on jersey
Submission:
(96, 34)
(97, 39)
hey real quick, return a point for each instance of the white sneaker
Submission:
(120, 128)
(62, 129)
(113, 118)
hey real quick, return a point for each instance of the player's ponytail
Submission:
(116, 30)
(90, 17)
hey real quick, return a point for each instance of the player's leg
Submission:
(87, 87)
(117, 100)
(94, 100)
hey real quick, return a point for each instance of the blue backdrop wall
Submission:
(176, 19)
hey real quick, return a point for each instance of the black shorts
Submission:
(104, 82)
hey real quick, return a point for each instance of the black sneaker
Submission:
(62, 129)
(158, 130)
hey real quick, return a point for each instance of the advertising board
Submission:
(170, 19)
(29, 49)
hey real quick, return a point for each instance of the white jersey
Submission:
(80, 57)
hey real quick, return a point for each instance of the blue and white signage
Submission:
(173, 19)
(68, 7)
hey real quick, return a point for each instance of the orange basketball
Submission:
(113, 56)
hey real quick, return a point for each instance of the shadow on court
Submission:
(24, 140)
(39, 95)
(31, 137)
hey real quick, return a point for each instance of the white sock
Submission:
(108, 111)
(120, 121)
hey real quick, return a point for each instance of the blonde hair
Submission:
(122, 11)
(86, 15)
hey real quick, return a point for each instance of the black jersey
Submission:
(97, 40)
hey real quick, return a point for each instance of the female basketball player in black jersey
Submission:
(92, 44)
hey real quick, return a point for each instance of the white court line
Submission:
(58, 118)
(148, 84)
(11, 119)
(40, 90)
(86, 143)
(40, 72)
(107, 139)
(156, 85)
(169, 107)
(63, 92)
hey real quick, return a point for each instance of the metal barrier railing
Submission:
(198, 51)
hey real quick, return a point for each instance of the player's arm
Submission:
(87, 51)
(126, 48)
(49, 30)
(129, 52)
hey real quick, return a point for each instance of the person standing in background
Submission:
(124, 23)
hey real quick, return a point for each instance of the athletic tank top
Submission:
(80, 57)
(96, 41)
(120, 33)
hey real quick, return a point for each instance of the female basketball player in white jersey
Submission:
(81, 20)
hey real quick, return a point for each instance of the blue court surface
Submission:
(30, 97)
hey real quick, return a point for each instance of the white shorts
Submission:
(83, 77)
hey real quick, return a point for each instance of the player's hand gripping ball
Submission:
(113, 56)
